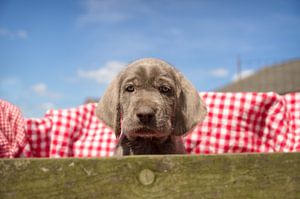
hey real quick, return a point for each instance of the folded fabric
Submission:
(247, 122)
(12, 132)
(74, 132)
(235, 123)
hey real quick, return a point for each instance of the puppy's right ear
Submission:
(108, 109)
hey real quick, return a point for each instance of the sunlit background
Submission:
(55, 54)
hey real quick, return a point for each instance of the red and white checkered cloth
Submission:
(75, 132)
(12, 133)
(247, 122)
(236, 122)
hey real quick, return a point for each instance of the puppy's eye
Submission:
(164, 89)
(129, 88)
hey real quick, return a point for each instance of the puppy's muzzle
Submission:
(145, 115)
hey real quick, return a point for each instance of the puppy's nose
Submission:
(145, 114)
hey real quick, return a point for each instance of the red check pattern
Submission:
(75, 132)
(12, 136)
(247, 122)
(236, 122)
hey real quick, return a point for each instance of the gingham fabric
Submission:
(12, 133)
(236, 122)
(75, 132)
(247, 122)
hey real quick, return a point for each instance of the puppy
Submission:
(150, 105)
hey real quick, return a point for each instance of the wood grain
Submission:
(274, 175)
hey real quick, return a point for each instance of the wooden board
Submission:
(242, 176)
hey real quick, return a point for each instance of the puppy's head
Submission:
(150, 99)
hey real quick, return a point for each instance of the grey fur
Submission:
(152, 104)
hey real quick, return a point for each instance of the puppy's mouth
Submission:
(144, 133)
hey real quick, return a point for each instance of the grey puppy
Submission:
(150, 105)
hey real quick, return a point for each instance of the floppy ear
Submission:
(108, 109)
(190, 108)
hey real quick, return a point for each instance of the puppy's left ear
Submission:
(190, 108)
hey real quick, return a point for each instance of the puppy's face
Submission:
(148, 95)
(149, 98)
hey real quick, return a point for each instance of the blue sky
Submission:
(54, 54)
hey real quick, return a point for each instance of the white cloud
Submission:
(104, 74)
(4, 32)
(9, 81)
(112, 11)
(19, 34)
(41, 89)
(242, 75)
(101, 11)
(22, 34)
(33, 101)
(35, 109)
(11, 88)
(46, 106)
(219, 72)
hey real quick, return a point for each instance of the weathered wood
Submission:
(204, 176)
